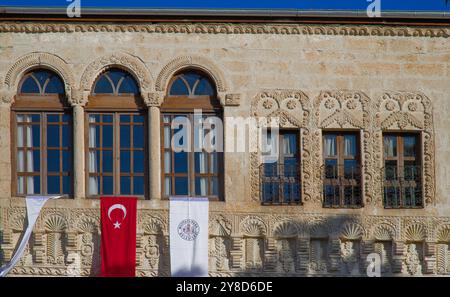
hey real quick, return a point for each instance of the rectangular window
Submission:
(43, 153)
(117, 161)
(342, 170)
(280, 178)
(188, 168)
(402, 170)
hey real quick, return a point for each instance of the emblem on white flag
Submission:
(188, 229)
(189, 236)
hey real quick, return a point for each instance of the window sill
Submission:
(210, 199)
(44, 195)
(282, 204)
(121, 196)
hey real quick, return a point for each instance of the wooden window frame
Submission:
(116, 173)
(191, 174)
(400, 160)
(182, 105)
(43, 174)
(340, 176)
(280, 174)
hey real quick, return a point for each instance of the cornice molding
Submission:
(228, 28)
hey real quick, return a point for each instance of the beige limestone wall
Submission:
(312, 60)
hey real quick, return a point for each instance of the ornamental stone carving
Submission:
(292, 109)
(240, 243)
(235, 28)
(195, 62)
(128, 62)
(398, 111)
(37, 60)
(344, 109)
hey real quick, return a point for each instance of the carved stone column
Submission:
(78, 152)
(154, 136)
(153, 101)
(78, 99)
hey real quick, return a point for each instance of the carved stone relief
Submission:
(293, 110)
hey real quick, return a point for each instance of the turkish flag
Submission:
(118, 247)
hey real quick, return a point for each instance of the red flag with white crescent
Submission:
(118, 247)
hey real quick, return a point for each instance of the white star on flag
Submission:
(116, 225)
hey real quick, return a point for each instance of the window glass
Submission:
(349, 145)
(42, 82)
(390, 146)
(123, 165)
(116, 81)
(30, 86)
(409, 146)
(330, 145)
(52, 156)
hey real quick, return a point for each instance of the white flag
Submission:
(34, 206)
(189, 236)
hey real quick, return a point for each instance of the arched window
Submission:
(116, 143)
(41, 82)
(192, 130)
(42, 136)
(116, 82)
(191, 84)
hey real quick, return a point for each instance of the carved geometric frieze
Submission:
(228, 28)
(262, 243)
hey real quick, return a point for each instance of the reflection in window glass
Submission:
(349, 145)
(330, 146)
(390, 146)
(409, 146)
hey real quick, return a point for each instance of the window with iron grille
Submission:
(402, 182)
(341, 170)
(280, 179)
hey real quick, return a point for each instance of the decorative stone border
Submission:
(228, 28)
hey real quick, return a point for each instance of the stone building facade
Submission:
(367, 78)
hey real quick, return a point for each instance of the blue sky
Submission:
(435, 5)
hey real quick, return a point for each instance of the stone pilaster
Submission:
(303, 248)
(5, 150)
(429, 258)
(398, 257)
